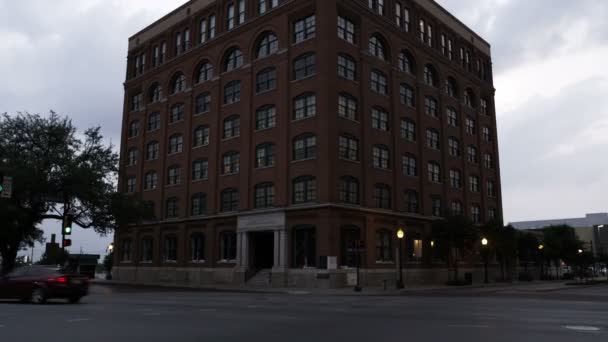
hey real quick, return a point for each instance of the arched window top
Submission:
(178, 83)
(469, 97)
(378, 47)
(204, 72)
(233, 59)
(155, 92)
(268, 43)
(406, 62)
(430, 75)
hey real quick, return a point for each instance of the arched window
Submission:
(350, 237)
(304, 246)
(203, 103)
(232, 92)
(177, 113)
(197, 247)
(200, 169)
(133, 129)
(348, 147)
(304, 106)
(233, 59)
(265, 117)
(384, 248)
(406, 62)
(266, 80)
(382, 196)
(172, 207)
(199, 204)
(232, 127)
(451, 88)
(347, 67)
(304, 189)
(349, 190)
(170, 248)
(380, 156)
(377, 47)
(434, 172)
(469, 98)
(201, 136)
(230, 163)
(152, 150)
(204, 72)
(265, 155)
(228, 246)
(304, 66)
(176, 143)
(229, 200)
(174, 175)
(305, 146)
(267, 45)
(155, 93)
(132, 155)
(153, 121)
(430, 76)
(264, 195)
(178, 83)
(151, 180)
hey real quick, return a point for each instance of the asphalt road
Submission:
(126, 314)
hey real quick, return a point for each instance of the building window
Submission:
(199, 204)
(380, 157)
(231, 163)
(304, 246)
(205, 72)
(178, 84)
(133, 129)
(348, 147)
(347, 106)
(230, 22)
(147, 252)
(474, 183)
(125, 250)
(151, 181)
(266, 80)
(450, 50)
(430, 106)
(410, 166)
(172, 208)
(203, 31)
(432, 138)
(304, 66)
(136, 102)
(346, 29)
(304, 29)
(380, 119)
(408, 130)
(153, 121)
(487, 161)
(305, 147)
(197, 247)
(241, 17)
(131, 184)
(233, 59)
(430, 76)
(377, 6)
(232, 127)
(232, 92)
(436, 206)
(384, 248)
(411, 201)
(351, 239)
(406, 93)
(485, 133)
(377, 47)
(349, 190)
(264, 195)
(472, 154)
(379, 84)
(456, 208)
(470, 125)
(176, 143)
(347, 67)
(492, 213)
(268, 45)
(454, 147)
(455, 179)
(174, 175)
(398, 15)
(177, 113)
(469, 98)
(152, 150)
(200, 169)
(305, 106)
(491, 190)
(434, 171)
(211, 32)
(203, 103)
(452, 116)
(483, 104)
(132, 156)
(264, 155)
(382, 196)
(304, 189)
(228, 246)
(450, 87)
(265, 117)
(156, 93)
(229, 200)
(475, 214)
(406, 62)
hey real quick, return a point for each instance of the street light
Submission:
(580, 251)
(541, 247)
(484, 244)
(400, 236)
(111, 247)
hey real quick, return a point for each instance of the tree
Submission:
(57, 174)
(561, 243)
(108, 263)
(59, 259)
(502, 242)
(454, 235)
(527, 248)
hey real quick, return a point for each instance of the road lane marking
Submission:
(152, 314)
(74, 320)
(475, 326)
(581, 328)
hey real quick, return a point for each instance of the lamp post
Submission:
(400, 236)
(484, 246)
(542, 261)
(111, 247)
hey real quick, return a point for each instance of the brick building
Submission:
(271, 135)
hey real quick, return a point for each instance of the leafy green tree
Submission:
(561, 243)
(527, 248)
(108, 262)
(58, 173)
(453, 236)
(502, 243)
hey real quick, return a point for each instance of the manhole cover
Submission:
(581, 328)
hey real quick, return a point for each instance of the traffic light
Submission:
(67, 242)
(67, 225)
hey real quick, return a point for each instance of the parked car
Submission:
(39, 283)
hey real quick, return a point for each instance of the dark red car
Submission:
(39, 283)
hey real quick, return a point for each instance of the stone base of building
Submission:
(293, 278)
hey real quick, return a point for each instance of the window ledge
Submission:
(382, 169)
(231, 138)
(227, 261)
(229, 174)
(350, 160)
(265, 91)
(304, 118)
(197, 261)
(264, 129)
(264, 167)
(173, 153)
(381, 262)
(351, 120)
(302, 160)
(304, 40)
(199, 146)
(200, 180)
(304, 78)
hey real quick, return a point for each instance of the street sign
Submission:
(7, 187)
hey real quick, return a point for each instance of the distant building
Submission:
(592, 229)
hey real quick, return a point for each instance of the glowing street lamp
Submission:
(541, 247)
(484, 244)
(400, 236)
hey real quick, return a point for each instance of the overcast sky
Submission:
(549, 71)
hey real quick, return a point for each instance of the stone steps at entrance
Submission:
(260, 279)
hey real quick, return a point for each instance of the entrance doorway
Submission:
(262, 249)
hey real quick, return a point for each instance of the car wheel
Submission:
(38, 296)
(74, 300)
